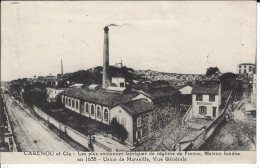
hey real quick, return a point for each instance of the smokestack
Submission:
(105, 81)
(61, 68)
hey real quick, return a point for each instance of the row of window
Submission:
(71, 102)
(245, 66)
(199, 97)
(75, 104)
(98, 111)
(203, 110)
(244, 71)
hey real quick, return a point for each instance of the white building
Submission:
(136, 116)
(206, 99)
(118, 81)
(245, 68)
(52, 93)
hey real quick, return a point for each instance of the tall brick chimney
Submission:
(61, 68)
(105, 81)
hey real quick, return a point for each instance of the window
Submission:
(250, 68)
(239, 71)
(202, 110)
(139, 134)
(106, 115)
(239, 66)
(92, 110)
(244, 70)
(214, 111)
(198, 97)
(73, 103)
(69, 102)
(123, 122)
(86, 107)
(122, 84)
(211, 98)
(77, 104)
(244, 66)
(138, 122)
(98, 112)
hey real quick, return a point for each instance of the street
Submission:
(30, 134)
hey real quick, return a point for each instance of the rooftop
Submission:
(57, 87)
(137, 106)
(155, 93)
(206, 87)
(100, 96)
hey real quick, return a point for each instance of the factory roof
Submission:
(57, 87)
(156, 93)
(206, 87)
(138, 106)
(100, 96)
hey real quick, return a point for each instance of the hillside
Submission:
(94, 75)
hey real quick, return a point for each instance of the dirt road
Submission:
(30, 135)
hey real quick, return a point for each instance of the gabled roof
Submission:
(160, 92)
(137, 106)
(206, 87)
(100, 96)
(77, 85)
(186, 89)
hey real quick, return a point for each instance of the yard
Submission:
(79, 122)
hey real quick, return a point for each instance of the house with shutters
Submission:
(206, 99)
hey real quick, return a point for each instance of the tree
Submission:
(211, 71)
(228, 81)
(118, 130)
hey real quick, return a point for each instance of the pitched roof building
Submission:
(206, 87)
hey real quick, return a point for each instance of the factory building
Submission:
(132, 109)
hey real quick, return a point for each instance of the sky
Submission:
(166, 36)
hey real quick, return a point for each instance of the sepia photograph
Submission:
(87, 78)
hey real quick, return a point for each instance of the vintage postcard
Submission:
(147, 82)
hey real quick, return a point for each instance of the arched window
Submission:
(106, 115)
(98, 112)
(69, 101)
(202, 110)
(92, 110)
(73, 103)
(86, 108)
(77, 104)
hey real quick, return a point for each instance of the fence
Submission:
(187, 116)
(8, 135)
(75, 135)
